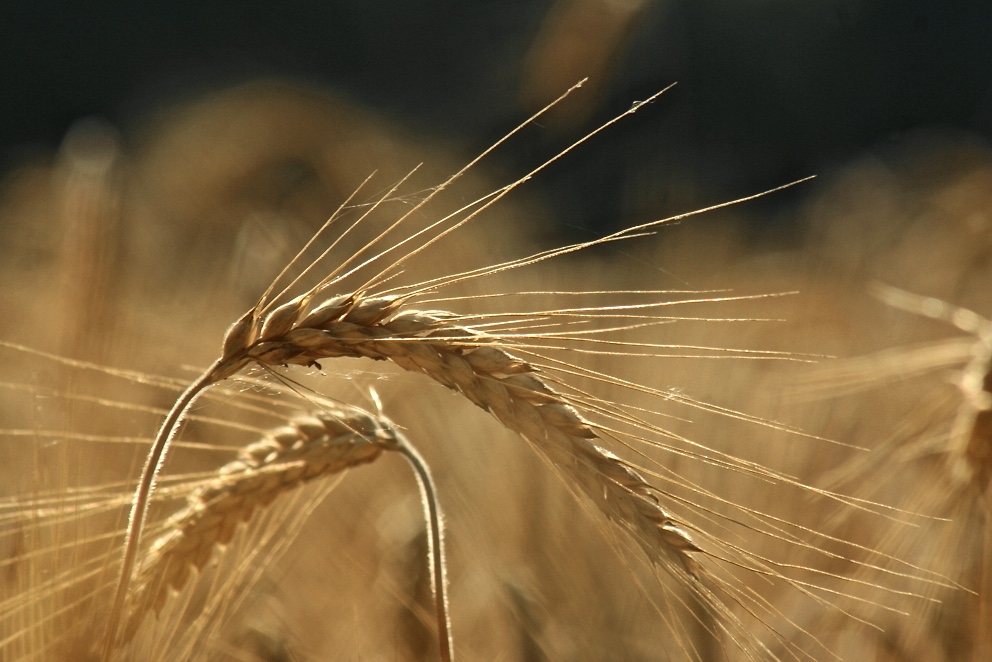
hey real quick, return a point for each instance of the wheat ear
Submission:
(473, 364)
(970, 449)
(312, 446)
(308, 447)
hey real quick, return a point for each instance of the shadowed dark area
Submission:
(767, 91)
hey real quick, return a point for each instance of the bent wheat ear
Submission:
(473, 364)
(309, 447)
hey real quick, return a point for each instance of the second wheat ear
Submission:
(309, 447)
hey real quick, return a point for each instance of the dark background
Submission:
(769, 90)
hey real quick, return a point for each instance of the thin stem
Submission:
(435, 550)
(142, 497)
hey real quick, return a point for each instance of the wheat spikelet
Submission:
(309, 447)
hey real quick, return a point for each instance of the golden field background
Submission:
(138, 257)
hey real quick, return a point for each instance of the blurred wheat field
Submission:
(858, 496)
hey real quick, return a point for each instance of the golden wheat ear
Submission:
(309, 447)
(511, 389)
(969, 450)
(932, 456)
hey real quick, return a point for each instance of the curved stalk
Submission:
(435, 551)
(142, 498)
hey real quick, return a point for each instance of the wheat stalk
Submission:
(494, 359)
